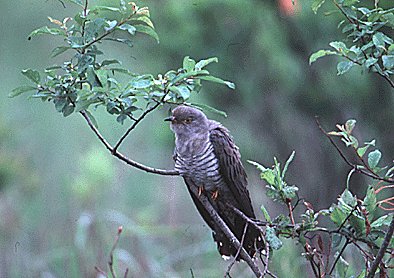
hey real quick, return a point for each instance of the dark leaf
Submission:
(147, 30)
(218, 80)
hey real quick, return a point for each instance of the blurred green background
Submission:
(62, 196)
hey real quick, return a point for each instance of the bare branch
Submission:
(123, 157)
(382, 250)
(227, 274)
(225, 229)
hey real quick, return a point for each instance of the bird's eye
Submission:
(188, 120)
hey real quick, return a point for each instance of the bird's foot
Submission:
(200, 190)
(215, 194)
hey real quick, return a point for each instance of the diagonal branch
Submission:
(382, 250)
(225, 229)
(227, 274)
(121, 156)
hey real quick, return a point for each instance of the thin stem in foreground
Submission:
(121, 156)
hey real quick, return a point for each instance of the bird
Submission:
(207, 158)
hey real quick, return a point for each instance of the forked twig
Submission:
(227, 274)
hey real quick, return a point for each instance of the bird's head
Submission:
(187, 121)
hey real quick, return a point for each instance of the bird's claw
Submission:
(200, 190)
(215, 194)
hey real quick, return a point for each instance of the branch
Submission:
(354, 166)
(229, 234)
(382, 250)
(123, 157)
(227, 274)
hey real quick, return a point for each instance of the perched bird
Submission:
(207, 158)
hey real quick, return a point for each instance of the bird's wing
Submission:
(231, 167)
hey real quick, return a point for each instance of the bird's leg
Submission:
(215, 194)
(200, 190)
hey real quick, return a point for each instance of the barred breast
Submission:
(203, 167)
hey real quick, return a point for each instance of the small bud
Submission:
(120, 229)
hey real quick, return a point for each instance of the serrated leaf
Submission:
(20, 90)
(274, 242)
(33, 75)
(59, 50)
(258, 165)
(218, 80)
(46, 30)
(319, 54)
(203, 63)
(290, 192)
(337, 216)
(348, 198)
(210, 109)
(374, 158)
(147, 30)
(316, 4)
(344, 66)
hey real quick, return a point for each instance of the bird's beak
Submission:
(169, 119)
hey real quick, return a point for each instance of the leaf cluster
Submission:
(85, 80)
(368, 42)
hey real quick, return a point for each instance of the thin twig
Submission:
(382, 250)
(227, 274)
(353, 166)
(137, 121)
(111, 253)
(102, 272)
(123, 157)
(339, 255)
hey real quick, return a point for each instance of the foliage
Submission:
(356, 221)
(368, 43)
(85, 81)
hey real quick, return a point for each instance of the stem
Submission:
(382, 250)
(123, 157)
(339, 255)
(227, 274)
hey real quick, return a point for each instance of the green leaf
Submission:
(210, 109)
(361, 151)
(349, 125)
(33, 75)
(128, 28)
(105, 8)
(274, 242)
(374, 158)
(370, 62)
(348, 3)
(181, 90)
(379, 40)
(289, 160)
(147, 30)
(144, 19)
(59, 50)
(344, 66)
(382, 221)
(110, 62)
(188, 64)
(265, 213)
(337, 216)
(348, 198)
(319, 54)
(218, 80)
(342, 267)
(290, 192)
(20, 90)
(46, 30)
(68, 110)
(316, 4)
(388, 61)
(339, 46)
(370, 201)
(203, 63)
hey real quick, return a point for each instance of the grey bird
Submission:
(207, 158)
